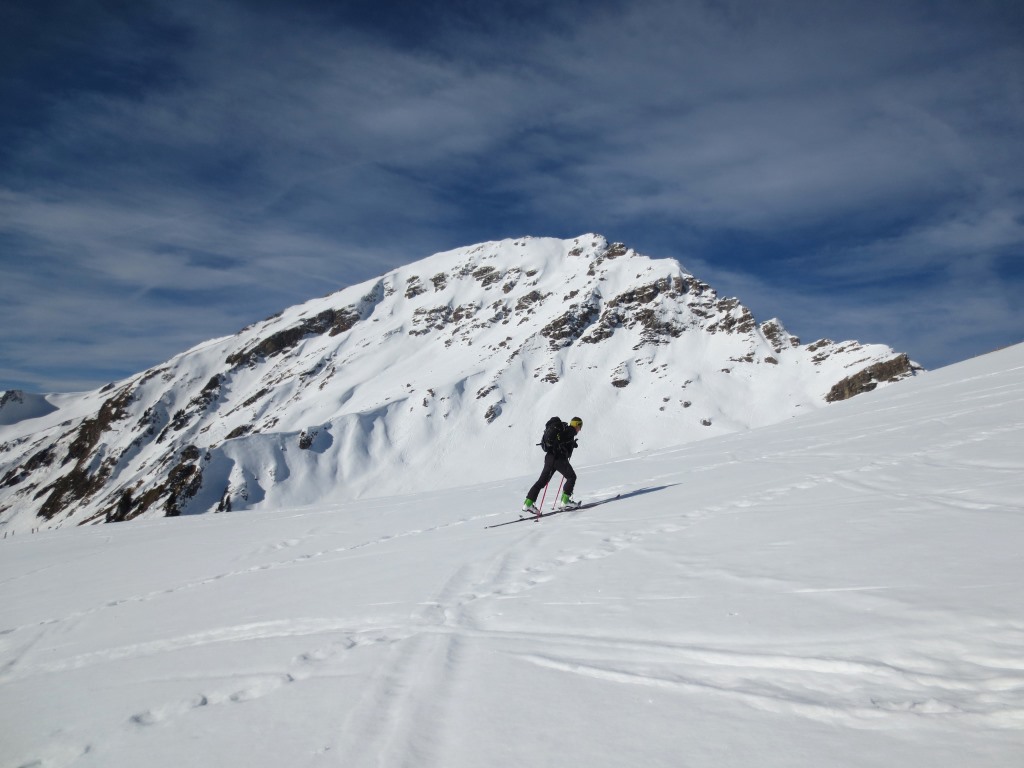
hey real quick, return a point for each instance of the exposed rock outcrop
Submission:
(899, 367)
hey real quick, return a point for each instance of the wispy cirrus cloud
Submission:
(834, 162)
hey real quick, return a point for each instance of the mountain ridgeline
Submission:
(438, 374)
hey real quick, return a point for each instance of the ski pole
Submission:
(559, 494)
(544, 496)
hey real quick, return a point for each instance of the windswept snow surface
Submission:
(843, 589)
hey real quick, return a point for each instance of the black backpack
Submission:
(552, 438)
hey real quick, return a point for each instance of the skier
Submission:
(558, 443)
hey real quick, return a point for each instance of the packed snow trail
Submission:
(842, 590)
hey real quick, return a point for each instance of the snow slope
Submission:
(842, 589)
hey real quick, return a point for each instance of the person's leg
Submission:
(563, 466)
(545, 477)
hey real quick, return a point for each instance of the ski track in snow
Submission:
(795, 684)
(400, 710)
(286, 563)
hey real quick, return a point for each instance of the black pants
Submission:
(554, 464)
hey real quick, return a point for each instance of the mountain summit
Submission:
(440, 373)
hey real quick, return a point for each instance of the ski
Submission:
(523, 516)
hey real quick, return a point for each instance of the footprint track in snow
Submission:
(518, 572)
(279, 546)
(302, 666)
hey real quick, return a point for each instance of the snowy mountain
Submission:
(837, 590)
(16, 406)
(437, 374)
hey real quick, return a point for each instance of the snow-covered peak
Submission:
(439, 373)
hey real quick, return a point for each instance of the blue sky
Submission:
(173, 171)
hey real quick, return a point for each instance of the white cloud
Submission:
(282, 151)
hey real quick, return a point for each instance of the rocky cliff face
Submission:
(437, 374)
